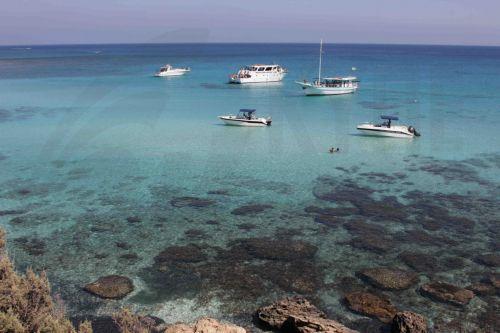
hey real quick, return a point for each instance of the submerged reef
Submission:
(364, 246)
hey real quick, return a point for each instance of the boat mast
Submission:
(320, 55)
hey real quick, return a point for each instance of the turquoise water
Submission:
(89, 139)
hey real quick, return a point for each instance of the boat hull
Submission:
(313, 90)
(258, 78)
(172, 73)
(401, 132)
(245, 122)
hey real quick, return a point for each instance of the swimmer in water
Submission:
(334, 150)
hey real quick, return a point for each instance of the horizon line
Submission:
(217, 42)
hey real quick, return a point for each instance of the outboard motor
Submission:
(412, 130)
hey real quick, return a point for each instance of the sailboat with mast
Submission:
(329, 85)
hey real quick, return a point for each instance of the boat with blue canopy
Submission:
(246, 117)
(387, 129)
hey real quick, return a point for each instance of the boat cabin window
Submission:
(261, 69)
(268, 69)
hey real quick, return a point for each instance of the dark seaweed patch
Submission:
(33, 246)
(191, 202)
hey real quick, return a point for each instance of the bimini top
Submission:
(389, 117)
(247, 110)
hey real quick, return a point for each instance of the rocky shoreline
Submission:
(289, 315)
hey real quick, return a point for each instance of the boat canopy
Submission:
(349, 78)
(389, 117)
(247, 110)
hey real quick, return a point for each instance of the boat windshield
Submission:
(246, 114)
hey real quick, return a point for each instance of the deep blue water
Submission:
(89, 139)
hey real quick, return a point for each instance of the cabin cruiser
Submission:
(329, 85)
(168, 70)
(387, 129)
(258, 73)
(246, 117)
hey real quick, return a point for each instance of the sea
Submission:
(105, 169)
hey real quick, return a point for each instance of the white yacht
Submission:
(387, 129)
(246, 117)
(168, 70)
(258, 73)
(329, 85)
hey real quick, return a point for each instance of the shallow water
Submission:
(94, 152)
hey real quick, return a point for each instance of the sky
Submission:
(456, 22)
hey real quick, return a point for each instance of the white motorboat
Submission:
(168, 70)
(329, 85)
(387, 129)
(246, 117)
(258, 73)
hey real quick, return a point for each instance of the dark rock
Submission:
(11, 212)
(387, 209)
(340, 211)
(185, 254)
(447, 293)
(409, 322)
(241, 280)
(251, 209)
(420, 262)
(452, 263)
(130, 256)
(195, 234)
(372, 243)
(246, 226)
(296, 314)
(345, 191)
(274, 249)
(489, 259)
(191, 202)
(360, 228)
(111, 286)
(18, 220)
(388, 278)
(348, 284)
(32, 246)
(371, 305)
(123, 245)
(329, 220)
(482, 289)
(493, 279)
(134, 219)
(423, 238)
(219, 192)
(301, 277)
(101, 228)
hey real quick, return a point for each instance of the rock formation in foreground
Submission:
(409, 322)
(296, 314)
(128, 322)
(205, 325)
